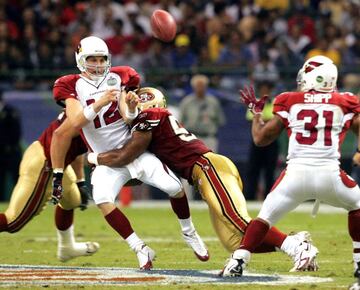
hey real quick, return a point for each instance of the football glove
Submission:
(84, 194)
(247, 96)
(57, 188)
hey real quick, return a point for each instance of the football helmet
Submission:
(318, 73)
(93, 46)
(150, 98)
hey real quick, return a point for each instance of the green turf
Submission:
(36, 245)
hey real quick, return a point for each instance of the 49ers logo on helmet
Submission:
(146, 97)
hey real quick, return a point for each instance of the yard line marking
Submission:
(39, 275)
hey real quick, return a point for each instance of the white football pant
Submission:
(303, 182)
(147, 168)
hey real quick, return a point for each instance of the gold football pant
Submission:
(220, 185)
(34, 187)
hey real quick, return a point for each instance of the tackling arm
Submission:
(60, 143)
(130, 151)
(265, 133)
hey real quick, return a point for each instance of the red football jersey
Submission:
(77, 146)
(316, 123)
(171, 142)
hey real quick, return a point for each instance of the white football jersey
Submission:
(316, 124)
(108, 130)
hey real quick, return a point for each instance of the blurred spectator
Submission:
(303, 20)
(265, 71)
(156, 60)
(322, 47)
(183, 56)
(201, 113)
(129, 57)
(10, 147)
(297, 42)
(262, 161)
(116, 42)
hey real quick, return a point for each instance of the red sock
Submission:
(354, 225)
(63, 218)
(119, 222)
(254, 235)
(180, 207)
(3, 223)
(274, 238)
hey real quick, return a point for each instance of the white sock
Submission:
(186, 225)
(66, 238)
(289, 244)
(134, 242)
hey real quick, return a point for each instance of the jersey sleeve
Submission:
(147, 120)
(64, 88)
(129, 77)
(351, 102)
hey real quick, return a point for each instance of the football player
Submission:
(316, 118)
(215, 176)
(33, 190)
(99, 101)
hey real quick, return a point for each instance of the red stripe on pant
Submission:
(227, 206)
(33, 203)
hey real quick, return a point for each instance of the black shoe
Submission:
(357, 271)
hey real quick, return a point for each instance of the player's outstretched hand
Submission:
(247, 96)
(132, 100)
(57, 188)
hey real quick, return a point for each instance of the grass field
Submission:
(36, 245)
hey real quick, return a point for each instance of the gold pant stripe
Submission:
(34, 202)
(227, 206)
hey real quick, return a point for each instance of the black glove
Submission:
(84, 194)
(57, 188)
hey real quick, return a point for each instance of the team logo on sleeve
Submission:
(111, 81)
(143, 126)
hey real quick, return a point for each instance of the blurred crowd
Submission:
(231, 41)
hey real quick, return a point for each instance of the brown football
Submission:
(163, 25)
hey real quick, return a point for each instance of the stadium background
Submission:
(233, 42)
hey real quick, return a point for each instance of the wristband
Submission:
(131, 116)
(80, 180)
(89, 112)
(92, 158)
(58, 170)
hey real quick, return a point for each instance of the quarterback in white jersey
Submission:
(99, 101)
(316, 119)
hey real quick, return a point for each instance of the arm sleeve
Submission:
(129, 77)
(64, 88)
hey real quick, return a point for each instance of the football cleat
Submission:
(305, 257)
(304, 236)
(145, 256)
(235, 266)
(66, 253)
(196, 243)
(355, 286)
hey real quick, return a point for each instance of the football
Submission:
(163, 25)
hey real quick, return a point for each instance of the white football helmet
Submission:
(150, 98)
(318, 73)
(92, 46)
